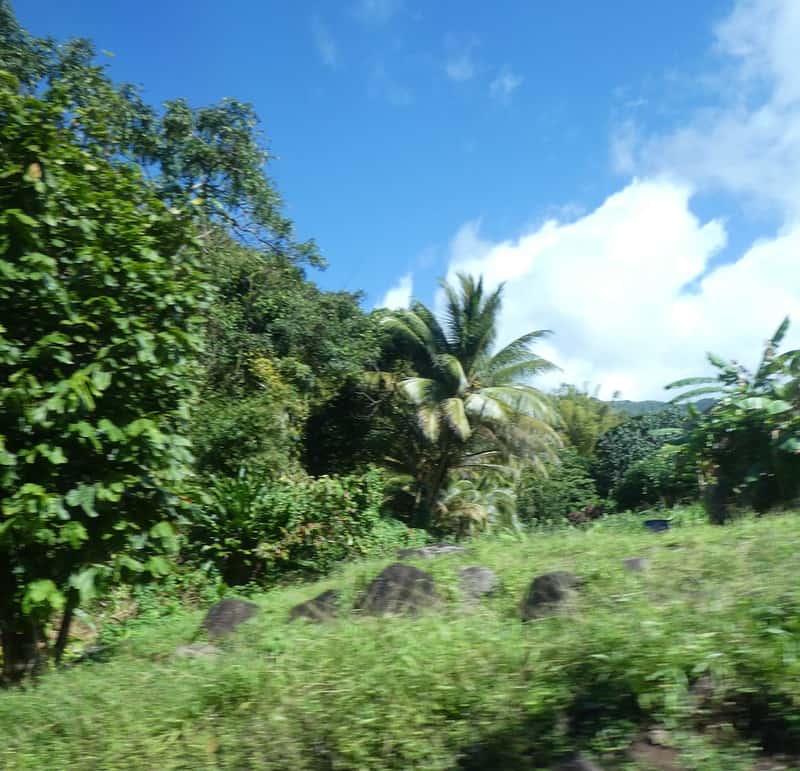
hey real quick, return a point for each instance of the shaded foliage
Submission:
(279, 351)
(633, 441)
(563, 487)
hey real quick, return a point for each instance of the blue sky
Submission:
(415, 138)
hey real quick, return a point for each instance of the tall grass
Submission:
(462, 687)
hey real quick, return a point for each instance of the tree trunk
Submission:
(22, 641)
(716, 503)
(21, 637)
(436, 483)
(63, 630)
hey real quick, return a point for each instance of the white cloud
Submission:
(376, 11)
(460, 67)
(749, 142)
(504, 85)
(611, 285)
(399, 296)
(326, 46)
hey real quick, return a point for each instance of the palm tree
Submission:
(747, 445)
(584, 417)
(472, 407)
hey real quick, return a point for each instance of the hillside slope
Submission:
(701, 649)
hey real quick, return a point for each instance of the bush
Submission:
(254, 530)
(565, 488)
(661, 478)
(254, 431)
(388, 535)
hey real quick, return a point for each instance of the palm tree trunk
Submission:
(434, 488)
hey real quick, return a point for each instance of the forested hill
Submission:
(647, 406)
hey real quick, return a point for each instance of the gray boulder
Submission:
(226, 615)
(546, 592)
(434, 550)
(636, 564)
(321, 608)
(398, 590)
(477, 582)
(197, 651)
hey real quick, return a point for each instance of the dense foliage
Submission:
(632, 441)
(665, 477)
(172, 379)
(747, 446)
(584, 418)
(548, 495)
(279, 352)
(99, 299)
(256, 530)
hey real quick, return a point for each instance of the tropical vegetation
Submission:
(186, 414)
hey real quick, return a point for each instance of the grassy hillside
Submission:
(703, 646)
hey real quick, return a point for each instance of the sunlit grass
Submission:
(467, 686)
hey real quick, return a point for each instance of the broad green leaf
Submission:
(42, 592)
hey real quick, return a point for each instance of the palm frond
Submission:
(694, 393)
(483, 408)
(430, 423)
(517, 350)
(521, 370)
(451, 367)
(453, 411)
(419, 390)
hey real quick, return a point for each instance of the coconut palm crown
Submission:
(461, 384)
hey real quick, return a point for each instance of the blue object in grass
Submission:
(657, 525)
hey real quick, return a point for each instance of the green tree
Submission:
(664, 477)
(214, 154)
(632, 441)
(584, 418)
(563, 486)
(99, 302)
(469, 405)
(280, 352)
(746, 447)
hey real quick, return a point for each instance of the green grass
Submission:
(459, 688)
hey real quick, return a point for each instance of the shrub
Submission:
(388, 535)
(663, 477)
(254, 530)
(564, 488)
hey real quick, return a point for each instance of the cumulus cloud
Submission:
(630, 289)
(748, 143)
(504, 85)
(612, 286)
(326, 46)
(399, 296)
